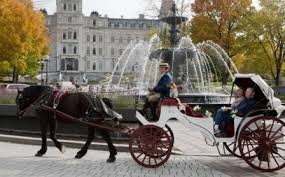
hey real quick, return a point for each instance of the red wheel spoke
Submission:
(276, 131)
(280, 148)
(274, 159)
(276, 138)
(271, 128)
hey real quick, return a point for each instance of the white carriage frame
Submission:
(206, 124)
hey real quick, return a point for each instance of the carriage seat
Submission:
(186, 108)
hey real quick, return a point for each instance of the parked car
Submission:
(12, 88)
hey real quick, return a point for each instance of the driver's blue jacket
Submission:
(163, 85)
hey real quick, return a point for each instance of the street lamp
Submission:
(42, 68)
(46, 60)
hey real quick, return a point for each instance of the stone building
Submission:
(88, 46)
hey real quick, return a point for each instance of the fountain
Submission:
(198, 68)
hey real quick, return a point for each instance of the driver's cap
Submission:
(164, 65)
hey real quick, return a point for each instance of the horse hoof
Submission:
(111, 159)
(63, 149)
(38, 154)
(78, 156)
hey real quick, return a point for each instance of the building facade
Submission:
(88, 46)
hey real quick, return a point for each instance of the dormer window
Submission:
(94, 22)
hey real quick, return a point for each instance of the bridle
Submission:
(22, 112)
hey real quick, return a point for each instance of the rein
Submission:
(33, 103)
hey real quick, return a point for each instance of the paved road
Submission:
(198, 160)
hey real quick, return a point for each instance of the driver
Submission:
(161, 90)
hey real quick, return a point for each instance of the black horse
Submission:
(78, 105)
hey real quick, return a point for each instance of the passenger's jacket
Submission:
(246, 106)
(163, 85)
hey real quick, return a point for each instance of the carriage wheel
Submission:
(261, 143)
(232, 148)
(150, 145)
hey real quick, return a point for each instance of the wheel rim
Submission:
(233, 149)
(150, 146)
(261, 143)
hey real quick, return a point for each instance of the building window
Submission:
(112, 39)
(100, 66)
(62, 65)
(121, 51)
(88, 38)
(64, 50)
(74, 35)
(100, 51)
(94, 22)
(64, 36)
(112, 51)
(69, 34)
(121, 39)
(94, 38)
(94, 51)
(69, 19)
(88, 65)
(64, 6)
(100, 38)
(74, 7)
(69, 7)
(94, 66)
(75, 50)
(88, 51)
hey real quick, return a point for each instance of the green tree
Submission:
(262, 36)
(23, 37)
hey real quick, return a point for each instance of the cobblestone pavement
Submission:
(17, 161)
(192, 144)
(198, 160)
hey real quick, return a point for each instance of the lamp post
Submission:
(42, 68)
(46, 60)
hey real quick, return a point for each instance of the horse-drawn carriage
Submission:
(257, 137)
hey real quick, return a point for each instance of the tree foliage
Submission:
(262, 37)
(23, 37)
(217, 20)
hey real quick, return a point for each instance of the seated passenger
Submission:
(223, 116)
(161, 90)
(239, 97)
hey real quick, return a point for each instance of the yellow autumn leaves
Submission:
(23, 37)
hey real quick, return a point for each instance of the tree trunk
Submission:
(277, 78)
(14, 75)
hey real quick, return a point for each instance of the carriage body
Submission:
(262, 129)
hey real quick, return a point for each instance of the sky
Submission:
(113, 8)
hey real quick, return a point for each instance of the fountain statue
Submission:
(198, 68)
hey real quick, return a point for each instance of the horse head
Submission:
(26, 97)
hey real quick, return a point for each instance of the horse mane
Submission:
(36, 90)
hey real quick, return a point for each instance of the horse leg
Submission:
(113, 152)
(84, 149)
(44, 125)
(52, 128)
